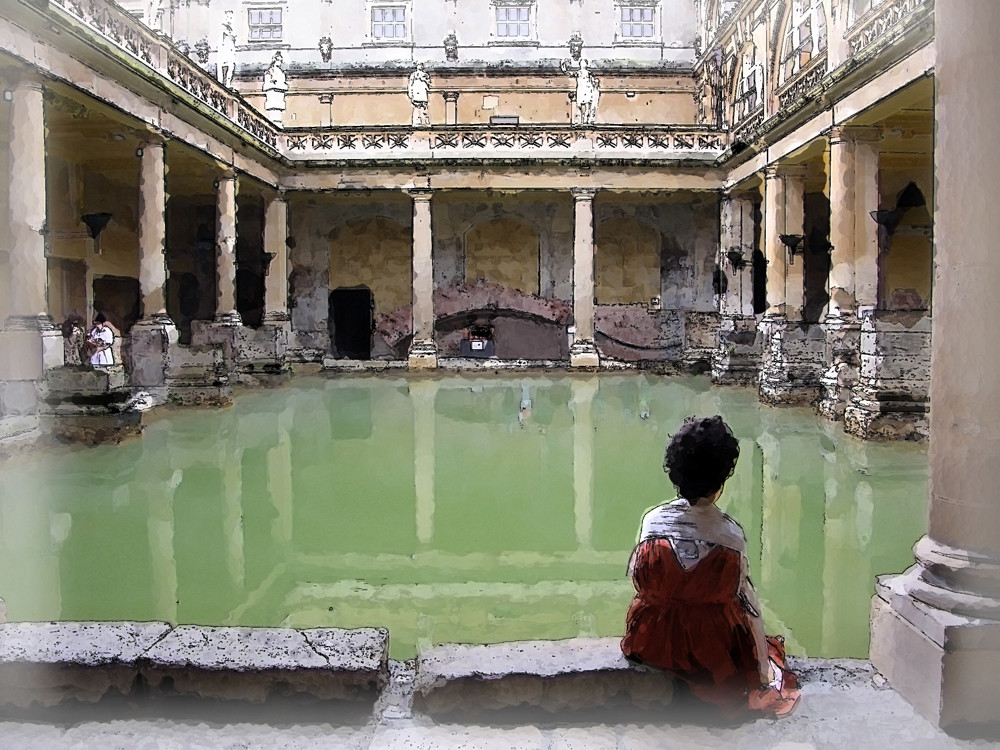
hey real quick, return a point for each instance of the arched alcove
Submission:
(504, 251)
(627, 262)
(373, 252)
(906, 268)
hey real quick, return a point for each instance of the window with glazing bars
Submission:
(636, 23)
(514, 21)
(389, 22)
(265, 24)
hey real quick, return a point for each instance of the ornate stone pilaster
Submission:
(450, 107)
(583, 351)
(936, 628)
(423, 350)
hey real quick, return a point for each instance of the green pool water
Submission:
(448, 509)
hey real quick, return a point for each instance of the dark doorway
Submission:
(350, 322)
(816, 257)
(759, 265)
(118, 298)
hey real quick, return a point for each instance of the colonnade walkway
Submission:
(845, 704)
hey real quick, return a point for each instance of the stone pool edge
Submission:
(43, 664)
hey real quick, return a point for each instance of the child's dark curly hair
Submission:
(701, 456)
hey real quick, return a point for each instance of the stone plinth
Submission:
(44, 663)
(423, 355)
(843, 359)
(792, 361)
(890, 399)
(261, 353)
(736, 359)
(583, 353)
(86, 405)
(701, 339)
(576, 673)
(197, 375)
(253, 664)
(944, 663)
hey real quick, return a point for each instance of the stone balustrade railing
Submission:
(134, 38)
(504, 142)
(883, 20)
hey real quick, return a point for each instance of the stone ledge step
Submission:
(570, 674)
(49, 662)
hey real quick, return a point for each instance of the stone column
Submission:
(275, 245)
(866, 199)
(152, 335)
(451, 108)
(774, 250)
(583, 352)
(936, 628)
(423, 350)
(794, 223)
(225, 256)
(772, 325)
(848, 225)
(29, 342)
(737, 356)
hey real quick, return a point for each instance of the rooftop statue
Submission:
(275, 88)
(587, 94)
(418, 90)
(227, 52)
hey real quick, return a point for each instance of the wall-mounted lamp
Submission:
(96, 223)
(794, 244)
(887, 219)
(8, 95)
(737, 260)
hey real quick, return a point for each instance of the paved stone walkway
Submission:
(842, 708)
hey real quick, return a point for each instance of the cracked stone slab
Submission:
(572, 673)
(45, 663)
(243, 663)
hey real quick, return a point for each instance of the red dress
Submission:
(693, 623)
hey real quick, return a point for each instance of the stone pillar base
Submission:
(791, 361)
(149, 351)
(842, 356)
(945, 663)
(223, 332)
(423, 355)
(261, 357)
(583, 353)
(736, 360)
(885, 418)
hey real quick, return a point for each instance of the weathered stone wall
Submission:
(318, 221)
(687, 225)
(373, 251)
(549, 215)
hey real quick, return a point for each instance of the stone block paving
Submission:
(841, 708)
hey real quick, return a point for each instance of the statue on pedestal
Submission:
(275, 88)
(587, 94)
(227, 52)
(418, 90)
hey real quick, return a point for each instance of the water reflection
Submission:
(449, 509)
